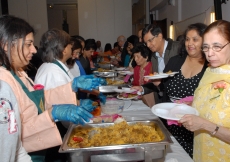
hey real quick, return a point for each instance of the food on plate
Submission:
(102, 70)
(127, 95)
(97, 111)
(151, 74)
(169, 72)
(114, 82)
(104, 62)
(117, 134)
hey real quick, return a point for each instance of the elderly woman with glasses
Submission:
(211, 99)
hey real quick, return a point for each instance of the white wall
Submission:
(226, 11)
(185, 10)
(34, 12)
(105, 20)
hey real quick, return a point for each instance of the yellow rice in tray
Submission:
(116, 134)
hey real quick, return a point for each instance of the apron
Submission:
(37, 97)
(58, 64)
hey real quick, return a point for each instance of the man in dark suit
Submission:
(162, 50)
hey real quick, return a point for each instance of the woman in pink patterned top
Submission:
(144, 66)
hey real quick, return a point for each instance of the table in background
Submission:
(138, 110)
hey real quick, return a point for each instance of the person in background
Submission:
(71, 62)
(107, 52)
(38, 116)
(211, 98)
(121, 41)
(132, 41)
(117, 53)
(116, 49)
(125, 55)
(139, 34)
(82, 41)
(190, 65)
(99, 48)
(144, 66)
(88, 50)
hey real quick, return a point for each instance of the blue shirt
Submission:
(160, 59)
(127, 59)
(82, 71)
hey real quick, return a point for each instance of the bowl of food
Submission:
(112, 106)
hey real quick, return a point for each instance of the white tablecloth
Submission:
(175, 152)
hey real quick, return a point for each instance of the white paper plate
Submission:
(173, 111)
(157, 76)
(121, 98)
(126, 90)
(125, 72)
(172, 74)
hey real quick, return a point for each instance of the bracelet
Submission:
(215, 131)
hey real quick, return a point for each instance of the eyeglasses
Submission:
(150, 40)
(76, 53)
(215, 48)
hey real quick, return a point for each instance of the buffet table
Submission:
(139, 111)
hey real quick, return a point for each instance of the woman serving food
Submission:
(33, 106)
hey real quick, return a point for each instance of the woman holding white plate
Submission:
(211, 98)
(190, 64)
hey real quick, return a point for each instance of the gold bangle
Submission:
(215, 131)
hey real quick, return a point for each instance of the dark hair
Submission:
(90, 44)
(152, 28)
(108, 47)
(53, 43)
(140, 47)
(76, 45)
(199, 28)
(180, 38)
(80, 38)
(115, 45)
(133, 39)
(222, 26)
(11, 29)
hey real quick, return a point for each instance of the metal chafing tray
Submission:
(128, 152)
(106, 65)
(105, 74)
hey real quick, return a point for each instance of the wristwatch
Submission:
(215, 131)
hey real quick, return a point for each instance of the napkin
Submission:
(184, 100)
(171, 122)
(126, 79)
